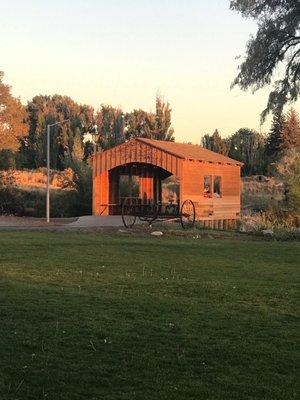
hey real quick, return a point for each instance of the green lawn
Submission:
(93, 316)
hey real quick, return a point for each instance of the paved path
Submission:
(91, 221)
(88, 221)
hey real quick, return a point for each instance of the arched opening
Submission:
(140, 181)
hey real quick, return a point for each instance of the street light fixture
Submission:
(95, 136)
(49, 126)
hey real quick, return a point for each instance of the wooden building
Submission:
(209, 179)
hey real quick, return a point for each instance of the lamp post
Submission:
(95, 136)
(49, 126)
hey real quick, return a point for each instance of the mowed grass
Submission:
(94, 316)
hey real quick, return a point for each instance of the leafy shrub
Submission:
(285, 234)
(280, 222)
(83, 183)
(72, 198)
(258, 192)
(293, 186)
(288, 169)
(7, 159)
(16, 201)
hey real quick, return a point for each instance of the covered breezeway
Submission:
(137, 168)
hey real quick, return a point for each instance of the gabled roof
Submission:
(189, 151)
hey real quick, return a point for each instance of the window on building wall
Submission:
(207, 186)
(217, 186)
(212, 186)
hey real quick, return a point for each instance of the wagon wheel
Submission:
(128, 213)
(187, 214)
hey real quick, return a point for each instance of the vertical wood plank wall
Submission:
(101, 194)
(146, 188)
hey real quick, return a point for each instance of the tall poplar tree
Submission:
(215, 143)
(77, 148)
(45, 110)
(163, 129)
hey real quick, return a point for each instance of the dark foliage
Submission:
(45, 110)
(215, 143)
(16, 201)
(274, 138)
(83, 182)
(276, 43)
(248, 146)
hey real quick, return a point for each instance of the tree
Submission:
(276, 43)
(163, 130)
(288, 169)
(7, 159)
(215, 143)
(88, 149)
(290, 133)
(248, 147)
(13, 117)
(140, 123)
(77, 151)
(45, 110)
(293, 186)
(110, 123)
(274, 138)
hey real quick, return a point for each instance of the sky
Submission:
(124, 52)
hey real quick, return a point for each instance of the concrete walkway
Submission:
(88, 221)
(91, 221)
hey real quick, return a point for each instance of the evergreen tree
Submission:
(290, 134)
(274, 138)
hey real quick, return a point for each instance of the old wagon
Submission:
(133, 208)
